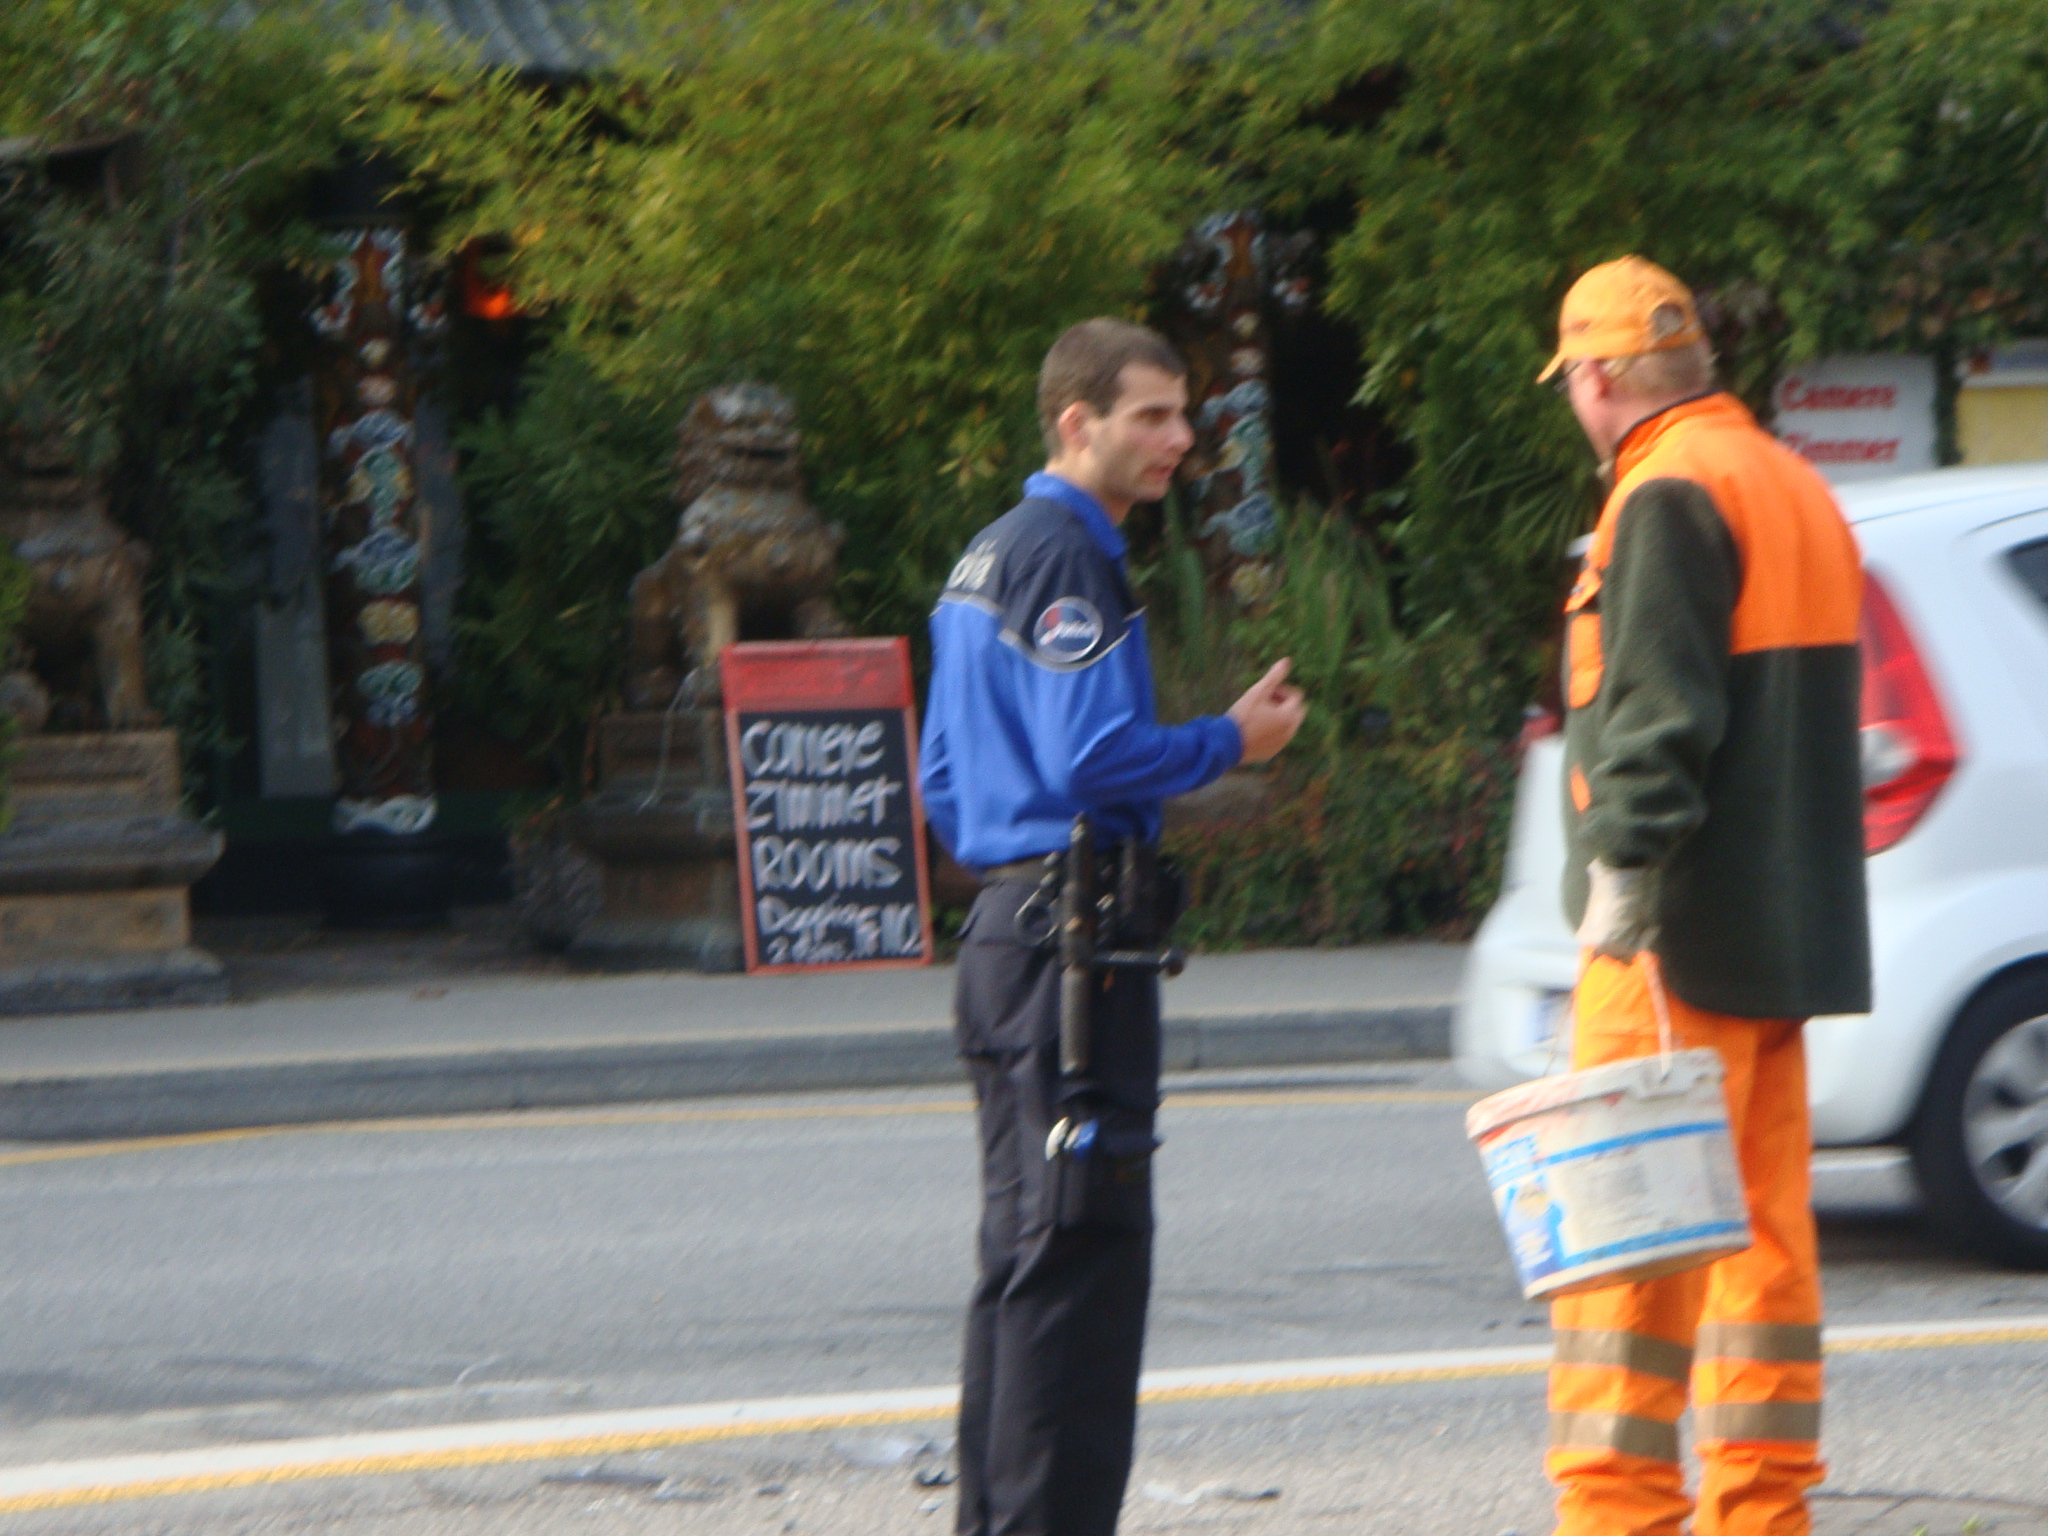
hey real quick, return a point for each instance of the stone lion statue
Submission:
(751, 559)
(79, 661)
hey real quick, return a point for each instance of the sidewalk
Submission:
(464, 1044)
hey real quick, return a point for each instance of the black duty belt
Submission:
(1133, 894)
(1053, 863)
(1021, 869)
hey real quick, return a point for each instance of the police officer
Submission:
(1041, 709)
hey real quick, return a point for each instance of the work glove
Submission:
(1618, 923)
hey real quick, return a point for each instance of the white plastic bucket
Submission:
(1617, 1173)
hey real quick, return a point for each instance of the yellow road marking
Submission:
(738, 1114)
(1881, 1342)
(571, 1446)
(467, 1456)
(1239, 1099)
(498, 1120)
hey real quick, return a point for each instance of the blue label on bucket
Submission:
(1533, 1223)
(1681, 1235)
(1635, 1139)
(1547, 1204)
(1516, 1158)
(1509, 1159)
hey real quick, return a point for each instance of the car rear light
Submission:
(1538, 721)
(1908, 752)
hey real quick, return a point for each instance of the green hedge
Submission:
(1389, 811)
(890, 208)
(568, 497)
(137, 329)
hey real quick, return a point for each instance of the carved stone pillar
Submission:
(1227, 286)
(375, 319)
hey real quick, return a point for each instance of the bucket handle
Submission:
(1556, 1045)
(1658, 1001)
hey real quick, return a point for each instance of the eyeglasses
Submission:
(1560, 382)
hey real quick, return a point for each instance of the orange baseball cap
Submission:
(1611, 311)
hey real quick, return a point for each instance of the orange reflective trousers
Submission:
(1742, 1333)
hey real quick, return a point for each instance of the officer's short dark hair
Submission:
(1088, 361)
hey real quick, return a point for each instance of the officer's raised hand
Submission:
(1269, 713)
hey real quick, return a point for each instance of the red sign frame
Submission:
(763, 675)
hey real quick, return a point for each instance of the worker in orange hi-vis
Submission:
(1714, 819)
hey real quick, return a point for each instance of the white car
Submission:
(1952, 1062)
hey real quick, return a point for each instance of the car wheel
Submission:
(1980, 1146)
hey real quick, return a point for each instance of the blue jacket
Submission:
(1041, 699)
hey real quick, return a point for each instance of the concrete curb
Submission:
(1308, 1038)
(102, 1106)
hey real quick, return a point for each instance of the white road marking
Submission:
(1856, 1338)
(109, 1479)
(1873, 1160)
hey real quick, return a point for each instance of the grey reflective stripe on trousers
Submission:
(1759, 1341)
(1626, 1351)
(1757, 1421)
(1625, 1432)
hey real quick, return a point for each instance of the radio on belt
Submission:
(1083, 912)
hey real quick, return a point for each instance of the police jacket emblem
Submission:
(1068, 630)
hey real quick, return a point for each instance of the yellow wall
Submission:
(2004, 425)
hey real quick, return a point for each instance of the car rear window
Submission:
(2030, 563)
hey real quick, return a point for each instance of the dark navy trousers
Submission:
(1056, 1323)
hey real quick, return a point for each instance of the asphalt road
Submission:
(403, 1275)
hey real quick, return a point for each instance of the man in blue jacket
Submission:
(1041, 710)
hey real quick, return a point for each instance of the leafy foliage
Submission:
(1949, 103)
(1404, 838)
(1389, 812)
(134, 328)
(887, 209)
(1525, 141)
(570, 497)
(890, 208)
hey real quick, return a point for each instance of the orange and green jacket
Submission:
(1712, 679)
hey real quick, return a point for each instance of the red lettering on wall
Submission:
(1795, 394)
(1843, 450)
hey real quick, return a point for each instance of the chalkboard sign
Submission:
(822, 738)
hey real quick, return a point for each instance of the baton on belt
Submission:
(1081, 910)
